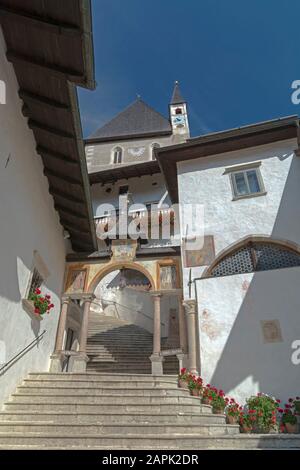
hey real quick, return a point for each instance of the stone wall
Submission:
(28, 223)
(239, 352)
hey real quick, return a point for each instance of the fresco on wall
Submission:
(76, 281)
(200, 257)
(271, 331)
(168, 277)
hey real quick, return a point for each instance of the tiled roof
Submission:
(138, 119)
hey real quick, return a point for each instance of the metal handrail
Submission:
(21, 352)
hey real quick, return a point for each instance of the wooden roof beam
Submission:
(62, 177)
(66, 210)
(74, 228)
(67, 73)
(28, 96)
(37, 125)
(63, 195)
(45, 152)
(36, 21)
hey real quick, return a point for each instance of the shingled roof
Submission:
(137, 120)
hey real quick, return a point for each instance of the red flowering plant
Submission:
(233, 408)
(290, 412)
(263, 411)
(296, 402)
(218, 400)
(42, 304)
(214, 397)
(183, 374)
(207, 394)
(246, 421)
(195, 385)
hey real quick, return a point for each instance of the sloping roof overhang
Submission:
(222, 142)
(49, 43)
(120, 172)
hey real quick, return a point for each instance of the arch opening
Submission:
(254, 255)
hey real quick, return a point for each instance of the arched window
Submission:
(255, 256)
(153, 147)
(178, 111)
(117, 155)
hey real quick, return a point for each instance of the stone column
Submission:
(182, 327)
(156, 358)
(183, 359)
(57, 357)
(190, 309)
(78, 362)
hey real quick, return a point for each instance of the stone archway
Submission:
(115, 266)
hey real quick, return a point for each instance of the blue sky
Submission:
(235, 60)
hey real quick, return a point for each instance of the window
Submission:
(123, 190)
(153, 147)
(247, 182)
(178, 111)
(256, 256)
(36, 282)
(117, 155)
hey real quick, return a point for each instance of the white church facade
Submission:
(128, 306)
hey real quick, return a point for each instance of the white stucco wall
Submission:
(275, 214)
(28, 222)
(233, 354)
(144, 190)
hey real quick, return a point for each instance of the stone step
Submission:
(99, 370)
(113, 418)
(95, 391)
(120, 363)
(149, 442)
(89, 397)
(130, 342)
(87, 407)
(105, 377)
(119, 428)
(122, 384)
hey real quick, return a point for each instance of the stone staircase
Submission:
(118, 411)
(121, 347)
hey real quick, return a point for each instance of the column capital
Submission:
(87, 297)
(190, 306)
(156, 294)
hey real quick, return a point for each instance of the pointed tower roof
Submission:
(137, 120)
(177, 96)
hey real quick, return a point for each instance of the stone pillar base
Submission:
(156, 364)
(78, 362)
(56, 362)
(183, 360)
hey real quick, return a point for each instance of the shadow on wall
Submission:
(232, 308)
(248, 363)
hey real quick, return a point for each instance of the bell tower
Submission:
(178, 114)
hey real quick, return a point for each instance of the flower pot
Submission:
(245, 429)
(291, 428)
(182, 383)
(195, 392)
(261, 430)
(205, 401)
(232, 419)
(218, 411)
